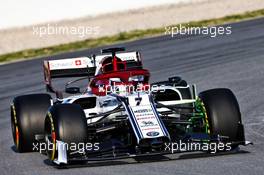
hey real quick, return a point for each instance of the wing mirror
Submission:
(72, 90)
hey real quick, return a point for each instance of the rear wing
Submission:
(72, 67)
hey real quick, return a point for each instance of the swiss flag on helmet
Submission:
(78, 62)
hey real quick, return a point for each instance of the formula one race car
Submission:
(120, 114)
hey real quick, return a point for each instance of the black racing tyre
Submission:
(223, 114)
(28, 114)
(67, 123)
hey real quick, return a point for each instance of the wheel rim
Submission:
(50, 138)
(14, 126)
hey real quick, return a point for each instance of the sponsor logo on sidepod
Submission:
(152, 133)
(147, 123)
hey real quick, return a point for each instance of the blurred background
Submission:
(19, 13)
(23, 22)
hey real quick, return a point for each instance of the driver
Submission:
(111, 64)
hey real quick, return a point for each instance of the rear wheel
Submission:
(223, 114)
(66, 123)
(27, 119)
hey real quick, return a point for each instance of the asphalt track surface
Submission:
(234, 61)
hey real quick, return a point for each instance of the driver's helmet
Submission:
(111, 64)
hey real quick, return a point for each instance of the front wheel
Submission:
(223, 114)
(66, 123)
